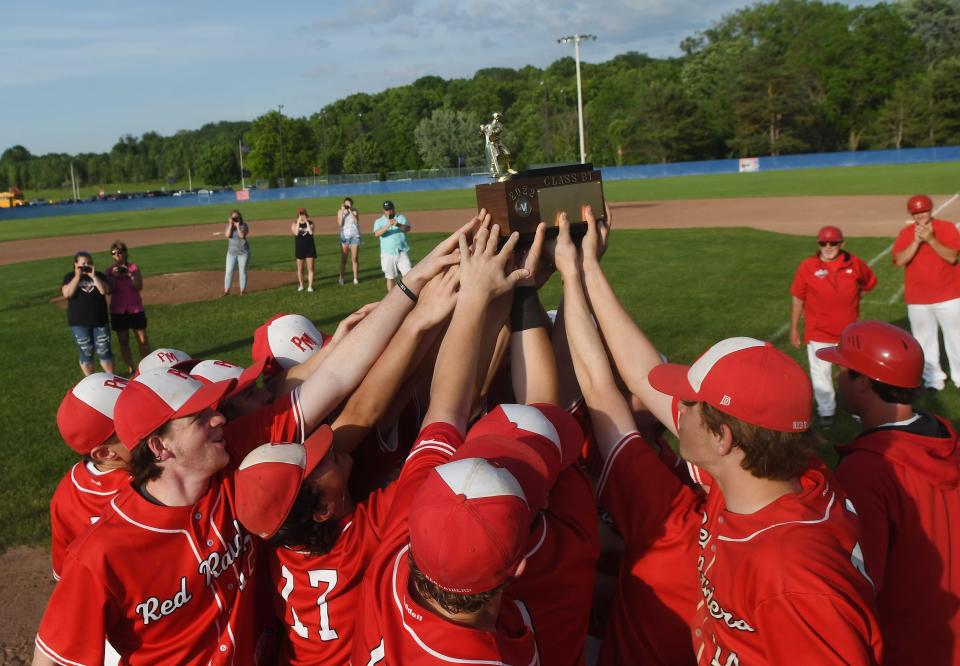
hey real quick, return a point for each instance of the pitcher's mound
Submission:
(174, 288)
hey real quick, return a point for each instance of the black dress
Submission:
(304, 245)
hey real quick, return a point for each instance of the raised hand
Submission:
(438, 298)
(446, 253)
(565, 254)
(351, 320)
(483, 270)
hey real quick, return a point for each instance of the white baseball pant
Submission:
(821, 375)
(924, 320)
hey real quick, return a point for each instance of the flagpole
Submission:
(243, 182)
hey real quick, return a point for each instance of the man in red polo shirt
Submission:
(927, 249)
(903, 475)
(826, 291)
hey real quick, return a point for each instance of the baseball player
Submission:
(927, 249)
(903, 475)
(165, 357)
(246, 397)
(826, 290)
(775, 542)
(427, 598)
(321, 542)
(189, 606)
(85, 421)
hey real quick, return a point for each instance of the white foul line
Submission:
(780, 332)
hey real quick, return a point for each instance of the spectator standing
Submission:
(85, 290)
(927, 249)
(348, 219)
(126, 305)
(391, 228)
(238, 251)
(826, 290)
(305, 248)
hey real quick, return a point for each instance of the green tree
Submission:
(446, 137)
(363, 155)
(218, 165)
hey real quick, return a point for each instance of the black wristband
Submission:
(405, 289)
(525, 311)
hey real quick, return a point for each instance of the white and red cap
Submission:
(85, 416)
(164, 357)
(212, 371)
(269, 478)
(286, 340)
(156, 396)
(469, 524)
(748, 379)
(535, 442)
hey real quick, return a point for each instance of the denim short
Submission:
(350, 240)
(92, 339)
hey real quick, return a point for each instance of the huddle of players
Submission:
(322, 519)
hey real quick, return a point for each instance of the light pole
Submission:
(283, 177)
(361, 143)
(576, 39)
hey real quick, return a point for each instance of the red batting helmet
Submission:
(830, 233)
(919, 203)
(880, 351)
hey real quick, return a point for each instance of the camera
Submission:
(86, 269)
(120, 270)
(392, 215)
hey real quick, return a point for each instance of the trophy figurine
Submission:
(498, 157)
(520, 201)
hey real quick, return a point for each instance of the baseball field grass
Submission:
(686, 288)
(933, 178)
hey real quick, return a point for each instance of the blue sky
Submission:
(80, 75)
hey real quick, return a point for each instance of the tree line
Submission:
(771, 79)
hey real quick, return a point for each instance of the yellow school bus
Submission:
(11, 199)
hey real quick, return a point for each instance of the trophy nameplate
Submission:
(529, 197)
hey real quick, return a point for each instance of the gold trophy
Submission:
(520, 201)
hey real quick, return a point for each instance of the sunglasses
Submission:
(116, 252)
(830, 243)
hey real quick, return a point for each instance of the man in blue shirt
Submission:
(391, 228)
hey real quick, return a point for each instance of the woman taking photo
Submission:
(126, 306)
(238, 251)
(85, 289)
(349, 221)
(306, 250)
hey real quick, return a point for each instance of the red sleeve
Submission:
(948, 235)
(435, 446)
(277, 422)
(866, 479)
(816, 629)
(643, 496)
(868, 279)
(903, 239)
(79, 594)
(799, 286)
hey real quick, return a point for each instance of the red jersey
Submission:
(564, 547)
(316, 596)
(189, 602)
(78, 501)
(830, 291)
(906, 489)
(785, 584)
(393, 628)
(928, 278)
(656, 514)
(193, 602)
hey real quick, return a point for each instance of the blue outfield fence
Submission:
(634, 172)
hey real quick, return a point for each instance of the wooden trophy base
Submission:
(522, 202)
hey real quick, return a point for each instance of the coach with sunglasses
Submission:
(826, 291)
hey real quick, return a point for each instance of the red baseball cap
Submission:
(469, 524)
(285, 340)
(269, 478)
(210, 372)
(535, 442)
(879, 350)
(919, 203)
(830, 233)
(85, 416)
(165, 357)
(746, 378)
(157, 396)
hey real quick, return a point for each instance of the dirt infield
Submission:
(857, 216)
(25, 586)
